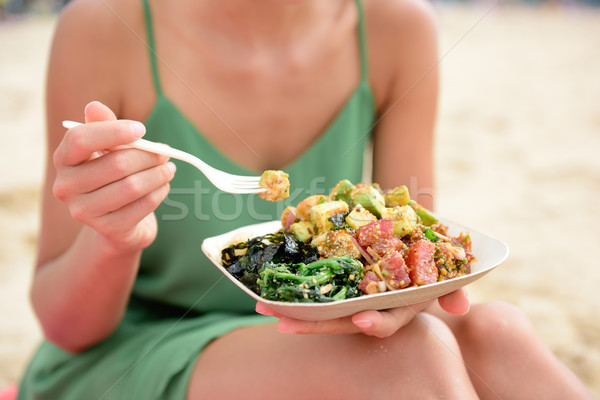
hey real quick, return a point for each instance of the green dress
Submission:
(180, 301)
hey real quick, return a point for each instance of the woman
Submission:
(129, 306)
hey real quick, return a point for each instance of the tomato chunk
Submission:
(374, 231)
(421, 264)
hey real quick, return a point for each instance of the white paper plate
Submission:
(490, 252)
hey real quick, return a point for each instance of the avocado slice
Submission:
(343, 191)
(303, 230)
(358, 217)
(320, 214)
(370, 198)
(398, 196)
(404, 219)
(426, 217)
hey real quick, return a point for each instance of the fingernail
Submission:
(171, 167)
(363, 323)
(262, 311)
(137, 128)
(89, 104)
(285, 329)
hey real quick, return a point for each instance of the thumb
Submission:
(456, 302)
(96, 112)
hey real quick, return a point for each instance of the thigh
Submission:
(506, 358)
(260, 362)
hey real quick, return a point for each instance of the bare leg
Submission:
(422, 360)
(506, 359)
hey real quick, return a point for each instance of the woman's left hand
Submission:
(372, 323)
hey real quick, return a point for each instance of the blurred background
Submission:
(517, 157)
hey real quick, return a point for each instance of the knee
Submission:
(496, 323)
(430, 364)
(437, 346)
(433, 334)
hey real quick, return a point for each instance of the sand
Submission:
(518, 137)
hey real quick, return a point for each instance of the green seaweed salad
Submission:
(278, 266)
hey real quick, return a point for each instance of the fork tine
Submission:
(248, 185)
(241, 178)
(228, 176)
(252, 181)
(242, 190)
(226, 183)
(247, 189)
(233, 187)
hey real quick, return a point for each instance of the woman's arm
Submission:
(403, 44)
(91, 239)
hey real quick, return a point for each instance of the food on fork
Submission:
(276, 183)
(356, 241)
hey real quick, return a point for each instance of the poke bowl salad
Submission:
(356, 241)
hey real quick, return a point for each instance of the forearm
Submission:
(403, 148)
(80, 296)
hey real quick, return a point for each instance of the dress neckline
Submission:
(199, 136)
(363, 85)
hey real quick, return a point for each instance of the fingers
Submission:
(96, 111)
(381, 324)
(81, 142)
(118, 194)
(385, 323)
(114, 209)
(123, 226)
(291, 325)
(261, 308)
(101, 171)
(338, 326)
(456, 302)
(127, 219)
(111, 188)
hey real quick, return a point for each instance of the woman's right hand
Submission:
(107, 186)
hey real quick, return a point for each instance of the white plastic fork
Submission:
(222, 180)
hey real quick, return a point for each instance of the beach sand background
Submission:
(517, 158)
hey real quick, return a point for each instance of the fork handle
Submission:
(157, 148)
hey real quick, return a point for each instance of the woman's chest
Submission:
(264, 116)
(260, 108)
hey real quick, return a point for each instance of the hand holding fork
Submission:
(222, 180)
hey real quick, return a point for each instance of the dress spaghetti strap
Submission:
(152, 47)
(362, 35)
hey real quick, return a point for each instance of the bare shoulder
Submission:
(92, 49)
(400, 14)
(400, 35)
(99, 18)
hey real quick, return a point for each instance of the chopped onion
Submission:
(372, 253)
(440, 236)
(290, 219)
(383, 282)
(366, 255)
